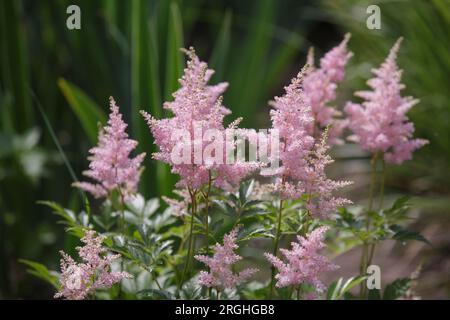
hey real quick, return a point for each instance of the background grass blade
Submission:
(87, 111)
(220, 52)
(174, 57)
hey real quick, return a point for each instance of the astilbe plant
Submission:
(303, 158)
(297, 198)
(380, 126)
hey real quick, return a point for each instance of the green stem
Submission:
(275, 247)
(380, 206)
(363, 260)
(207, 213)
(189, 256)
(383, 176)
(122, 229)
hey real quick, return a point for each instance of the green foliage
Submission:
(340, 289)
(386, 224)
(86, 110)
(41, 271)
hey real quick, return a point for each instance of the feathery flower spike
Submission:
(220, 264)
(78, 280)
(303, 262)
(380, 123)
(320, 89)
(303, 160)
(196, 107)
(111, 165)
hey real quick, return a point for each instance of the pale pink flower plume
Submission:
(303, 160)
(303, 262)
(79, 280)
(110, 163)
(380, 123)
(220, 273)
(321, 202)
(196, 107)
(320, 89)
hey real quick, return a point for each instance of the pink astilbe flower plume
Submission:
(304, 264)
(197, 107)
(111, 165)
(380, 123)
(78, 280)
(321, 202)
(320, 89)
(220, 273)
(303, 160)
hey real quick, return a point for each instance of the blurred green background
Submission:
(55, 80)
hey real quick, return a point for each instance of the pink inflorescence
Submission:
(380, 123)
(197, 107)
(111, 166)
(303, 262)
(79, 280)
(320, 89)
(303, 159)
(221, 274)
(318, 187)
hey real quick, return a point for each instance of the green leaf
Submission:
(396, 289)
(225, 208)
(402, 234)
(87, 111)
(41, 271)
(246, 190)
(157, 293)
(337, 290)
(374, 294)
(66, 214)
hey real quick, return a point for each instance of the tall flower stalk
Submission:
(303, 159)
(380, 126)
(197, 107)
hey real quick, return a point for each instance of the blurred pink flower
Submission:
(303, 263)
(78, 280)
(320, 89)
(111, 166)
(221, 274)
(380, 123)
